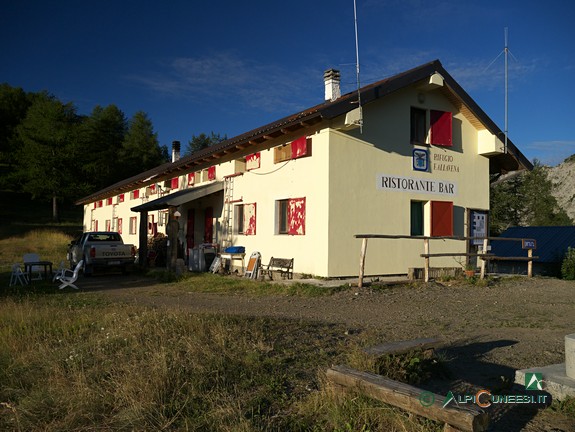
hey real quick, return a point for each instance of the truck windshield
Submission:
(104, 237)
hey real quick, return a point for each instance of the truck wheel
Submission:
(88, 270)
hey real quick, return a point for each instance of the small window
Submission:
(119, 226)
(245, 219)
(298, 148)
(253, 161)
(133, 225)
(135, 194)
(282, 212)
(191, 179)
(175, 183)
(108, 225)
(109, 201)
(416, 218)
(290, 216)
(418, 126)
(239, 218)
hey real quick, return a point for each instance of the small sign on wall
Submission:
(420, 159)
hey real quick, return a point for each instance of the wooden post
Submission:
(484, 262)
(362, 262)
(426, 252)
(410, 398)
(530, 263)
(143, 240)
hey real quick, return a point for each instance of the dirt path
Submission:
(491, 331)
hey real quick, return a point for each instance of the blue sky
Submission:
(231, 66)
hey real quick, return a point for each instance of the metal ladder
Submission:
(227, 220)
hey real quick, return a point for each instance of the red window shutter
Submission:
(109, 201)
(191, 179)
(137, 194)
(250, 219)
(296, 216)
(441, 128)
(253, 161)
(299, 147)
(175, 183)
(153, 188)
(95, 204)
(212, 173)
(441, 218)
(121, 198)
(95, 225)
(100, 203)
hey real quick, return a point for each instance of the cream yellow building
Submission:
(414, 157)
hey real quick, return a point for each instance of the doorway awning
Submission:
(178, 198)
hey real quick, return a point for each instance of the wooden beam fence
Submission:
(484, 255)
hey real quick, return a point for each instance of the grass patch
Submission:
(49, 244)
(566, 406)
(214, 283)
(71, 362)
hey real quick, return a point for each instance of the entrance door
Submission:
(208, 224)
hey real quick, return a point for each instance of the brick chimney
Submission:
(331, 78)
(175, 151)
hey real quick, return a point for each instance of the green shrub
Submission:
(568, 266)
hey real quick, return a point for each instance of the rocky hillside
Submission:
(563, 178)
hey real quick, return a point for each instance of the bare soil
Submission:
(490, 331)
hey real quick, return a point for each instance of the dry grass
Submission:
(74, 362)
(49, 244)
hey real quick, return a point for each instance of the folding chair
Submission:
(33, 257)
(18, 276)
(253, 266)
(69, 276)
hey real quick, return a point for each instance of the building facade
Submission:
(414, 158)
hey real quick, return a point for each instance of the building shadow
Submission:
(467, 370)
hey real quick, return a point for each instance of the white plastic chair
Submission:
(69, 276)
(33, 257)
(60, 271)
(18, 276)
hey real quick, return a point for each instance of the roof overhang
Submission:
(431, 75)
(181, 197)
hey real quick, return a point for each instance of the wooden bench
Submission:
(283, 266)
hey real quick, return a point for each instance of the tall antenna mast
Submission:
(506, 52)
(506, 90)
(357, 69)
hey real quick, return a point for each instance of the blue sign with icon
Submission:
(421, 160)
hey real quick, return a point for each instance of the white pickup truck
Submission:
(101, 249)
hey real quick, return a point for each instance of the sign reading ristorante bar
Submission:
(416, 185)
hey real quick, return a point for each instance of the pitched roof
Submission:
(552, 242)
(327, 110)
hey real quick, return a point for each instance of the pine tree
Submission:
(49, 155)
(140, 150)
